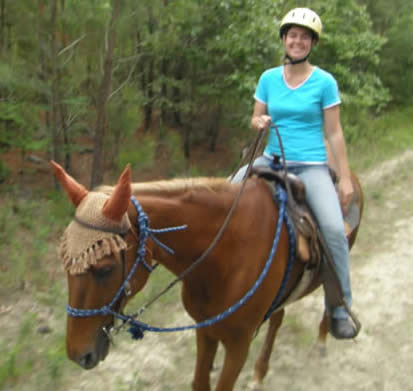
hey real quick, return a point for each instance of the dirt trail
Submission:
(380, 359)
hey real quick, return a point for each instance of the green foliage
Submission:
(22, 364)
(185, 65)
(383, 137)
(394, 20)
(56, 358)
(398, 56)
(19, 126)
(26, 229)
(60, 211)
(14, 362)
(350, 51)
(140, 154)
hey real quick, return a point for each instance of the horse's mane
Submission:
(175, 186)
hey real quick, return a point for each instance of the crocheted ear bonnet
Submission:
(82, 246)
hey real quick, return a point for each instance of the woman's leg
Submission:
(324, 203)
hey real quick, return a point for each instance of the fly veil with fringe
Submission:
(99, 221)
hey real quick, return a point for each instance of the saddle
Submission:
(305, 228)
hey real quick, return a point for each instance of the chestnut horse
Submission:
(99, 250)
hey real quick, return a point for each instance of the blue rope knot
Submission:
(136, 331)
(106, 310)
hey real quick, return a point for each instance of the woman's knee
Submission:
(334, 232)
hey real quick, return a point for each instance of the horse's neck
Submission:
(187, 244)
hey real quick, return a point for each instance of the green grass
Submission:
(30, 274)
(383, 138)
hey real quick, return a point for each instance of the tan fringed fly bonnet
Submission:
(82, 246)
(99, 222)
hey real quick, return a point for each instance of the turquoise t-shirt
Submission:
(298, 113)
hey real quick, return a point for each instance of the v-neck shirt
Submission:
(298, 113)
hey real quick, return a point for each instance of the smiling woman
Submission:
(305, 24)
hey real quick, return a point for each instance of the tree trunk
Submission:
(102, 98)
(176, 94)
(213, 130)
(147, 86)
(187, 140)
(66, 135)
(148, 78)
(164, 72)
(164, 91)
(53, 100)
(2, 24)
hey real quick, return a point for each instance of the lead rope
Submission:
(137, 328)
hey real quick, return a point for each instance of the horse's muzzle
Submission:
(90, 359)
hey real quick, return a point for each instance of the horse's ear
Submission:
(116, 206)
(74, 190)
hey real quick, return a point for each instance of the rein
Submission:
(254, 148)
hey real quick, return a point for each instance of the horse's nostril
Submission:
(88, 361)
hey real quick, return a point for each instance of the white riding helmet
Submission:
(303, 17)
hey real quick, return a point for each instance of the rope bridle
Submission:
(144, 233)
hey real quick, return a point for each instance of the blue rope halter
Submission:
(144, 232)
(137, 328)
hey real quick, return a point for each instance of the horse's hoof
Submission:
(254, 385)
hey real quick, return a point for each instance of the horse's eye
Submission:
(102, 272)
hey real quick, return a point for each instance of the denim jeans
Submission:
(323, 201)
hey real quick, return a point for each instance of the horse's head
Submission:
(98, 249)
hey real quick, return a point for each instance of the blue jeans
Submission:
(323, 201)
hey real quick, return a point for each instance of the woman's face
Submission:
(298, 42)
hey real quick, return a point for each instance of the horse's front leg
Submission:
(262, 363)
(206, 349)
(236, 351)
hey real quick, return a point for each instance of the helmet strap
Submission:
(294, 62)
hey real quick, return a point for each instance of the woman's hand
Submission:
(345, 192)
(260, 119)
(262, 122)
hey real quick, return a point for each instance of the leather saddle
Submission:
(305, 228)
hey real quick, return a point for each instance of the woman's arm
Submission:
(335, 137)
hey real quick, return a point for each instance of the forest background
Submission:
(79, 76)
(167, 86)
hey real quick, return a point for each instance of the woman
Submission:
(303, 101)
